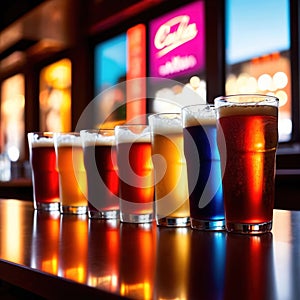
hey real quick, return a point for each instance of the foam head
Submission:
(166, 123)
(66, 139)
(98, 138)
(199, 114)
(132, 134)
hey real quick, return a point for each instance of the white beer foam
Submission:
(68, 140)
(42, 141)
(97, 139)
(203, 116)
(165, 124)
(127, 136)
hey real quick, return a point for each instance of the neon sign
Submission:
(177, 42)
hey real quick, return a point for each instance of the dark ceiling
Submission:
(11, 10)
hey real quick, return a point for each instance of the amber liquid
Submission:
(44, 175)
(171, 187)
(136, 175)
(248, 160)
(72, 176)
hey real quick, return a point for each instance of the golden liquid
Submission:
(72, 176)
(171, 191)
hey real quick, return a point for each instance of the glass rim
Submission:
(211, 105)
(41, 132)
(266, 99)
(165, 113)
(130, 125)
(96, 130)
(197, 114)
(77, 133)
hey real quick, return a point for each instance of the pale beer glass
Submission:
(135, 169)
(44, 172)
(100, 161)
(72, 174)
(247, 133)
(171, 185)
(203, 166)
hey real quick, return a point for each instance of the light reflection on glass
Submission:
(11, 246)
(103, 254)
(172, 264)
(137, 260)
(45, 241)
(72, 262)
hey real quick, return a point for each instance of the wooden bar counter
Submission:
(62, 256)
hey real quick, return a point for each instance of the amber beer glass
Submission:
(171, 185)
(136, 190)
(44, 172)
(247, 133)
(72, 175)
(100, 161)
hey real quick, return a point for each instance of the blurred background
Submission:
(58, 56)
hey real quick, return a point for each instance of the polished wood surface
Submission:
(56, 256)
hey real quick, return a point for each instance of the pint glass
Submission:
(247, 133)
(203, 167)
(136, 179)
(72, 175)
(99, 152)
(171, 188)
(44, 172)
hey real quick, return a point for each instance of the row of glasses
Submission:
(58, 172)
(179, 170)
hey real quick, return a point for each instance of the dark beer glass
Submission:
(44, 172)
(99, 151)
(247, 133)
(203, 167)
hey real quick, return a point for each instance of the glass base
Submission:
(173, 222)
(208, 225)
(131, 218)
(249, 228)
(47, 206)
(75, 210)
(109, 214)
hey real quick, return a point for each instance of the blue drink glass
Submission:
(203, 167)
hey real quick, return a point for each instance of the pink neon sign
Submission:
(177, 42)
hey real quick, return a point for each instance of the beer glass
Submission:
(99, 152)
(72, 175)
(171, 188)
(247, 134)
(44, 172)
(203, 167)
(136, 179)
